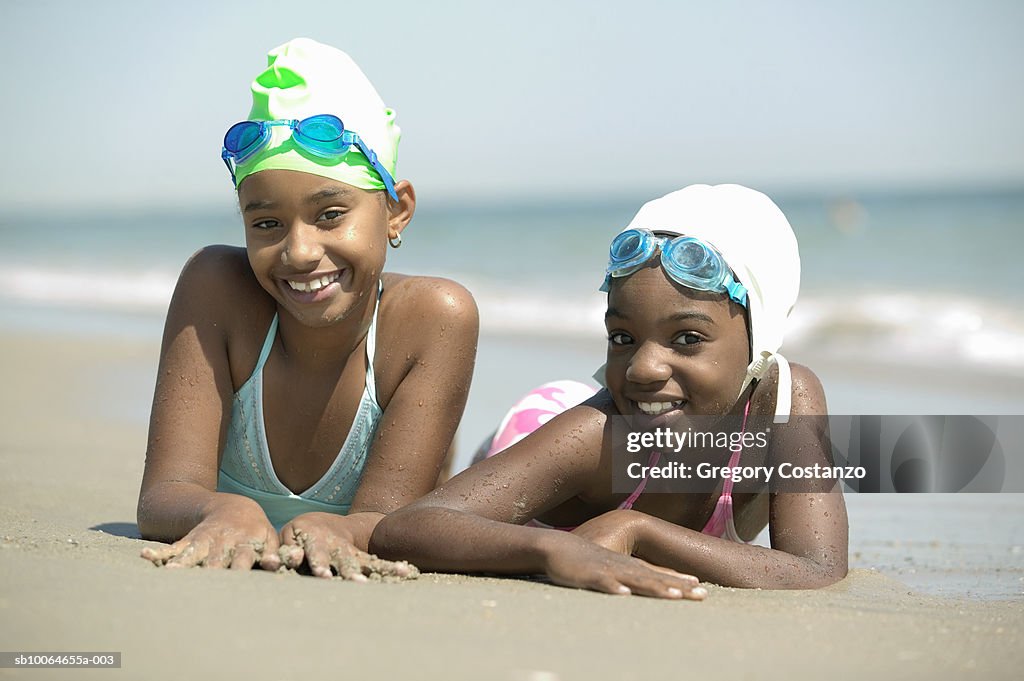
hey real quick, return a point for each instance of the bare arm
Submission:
(429, 346)
(187, 428)
(469, 524)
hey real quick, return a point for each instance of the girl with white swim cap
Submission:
(700, 285)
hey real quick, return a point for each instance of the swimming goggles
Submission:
(323, 136)
(689, 261)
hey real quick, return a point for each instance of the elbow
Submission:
(150, 528)
(822, 577)
(800, 574)
(814, 575)
(391, 538)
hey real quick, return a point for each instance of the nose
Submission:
(648, 365)
(302, 248)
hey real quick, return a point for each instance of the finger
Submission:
(318, 560)
(350, 565)
(159, 556)
(289, 535)
(657, 584)
(290, 551)
(219, 557)
(670, 572)
(193, 554)
(393, 568)
(609, 585)
(245, 556)
(267, 553)
(290, 556)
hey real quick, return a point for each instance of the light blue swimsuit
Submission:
(246, 468)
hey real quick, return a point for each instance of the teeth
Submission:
(315, 285)
(655, 408)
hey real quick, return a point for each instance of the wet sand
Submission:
(70, 580)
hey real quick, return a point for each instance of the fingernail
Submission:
(624, 590)
(674, 592)
(699, 592)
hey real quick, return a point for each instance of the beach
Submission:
(924, 600)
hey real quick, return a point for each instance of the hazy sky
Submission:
(127, 102)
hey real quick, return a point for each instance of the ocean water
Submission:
(922, 281)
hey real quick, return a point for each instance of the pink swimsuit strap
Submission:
(720, 522)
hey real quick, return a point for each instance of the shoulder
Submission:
(217, 298)
(808, 393)
(428, 313)
(218, 270)
(429, 298)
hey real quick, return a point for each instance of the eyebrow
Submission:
(686, 315)
(315, 197)
(328, 193)
(258, 205)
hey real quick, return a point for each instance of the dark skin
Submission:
(300, 228)
(667, 344)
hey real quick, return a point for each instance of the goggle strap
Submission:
(385, 176)
(737, 292)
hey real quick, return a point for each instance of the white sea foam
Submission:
(907, 328)
(140, 291)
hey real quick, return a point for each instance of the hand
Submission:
(334, 544)
(573, 561)
(617, 531)
(235, 534)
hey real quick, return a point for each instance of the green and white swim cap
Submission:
(304, 78)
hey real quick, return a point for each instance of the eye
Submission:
(265, 224)
(688, 338)
(619, 338)
(331, 215)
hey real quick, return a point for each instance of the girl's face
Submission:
(672, 350)
(316, 245)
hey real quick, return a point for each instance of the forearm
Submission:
(168, 511)
(728, 563)
(446, 540)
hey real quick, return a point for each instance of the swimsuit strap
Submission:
(371, 344)
(734, 460)
(721, 523)
(268, 345)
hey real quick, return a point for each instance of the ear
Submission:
(400, 212)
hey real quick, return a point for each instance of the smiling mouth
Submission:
(314, 285)
(658, 408)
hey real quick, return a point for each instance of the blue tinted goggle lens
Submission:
(323, 128)
(693, 259)
(243, 138)
(625, 248)
(630, 249)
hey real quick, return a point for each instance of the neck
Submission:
(326, 347)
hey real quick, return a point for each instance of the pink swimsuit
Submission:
(542, 404)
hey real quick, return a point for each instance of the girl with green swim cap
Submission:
(302, 393)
